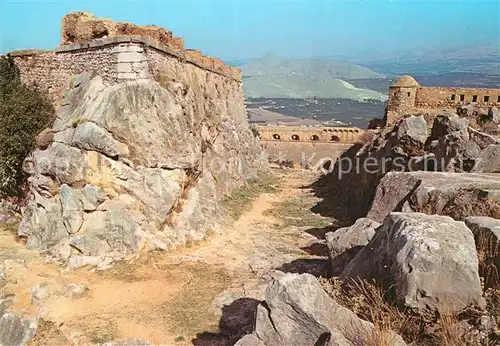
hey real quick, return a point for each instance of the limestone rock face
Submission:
(430, 260)
(451, 146)
(135, 164)
(15, 330)
(454, 194)
(297, 311)
(344, 244)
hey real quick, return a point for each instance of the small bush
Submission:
(24, 112)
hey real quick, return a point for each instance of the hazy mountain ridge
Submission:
(273, 76)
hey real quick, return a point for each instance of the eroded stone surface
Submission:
(430, 261)
(134, 163)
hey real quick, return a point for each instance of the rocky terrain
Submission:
(152, 218)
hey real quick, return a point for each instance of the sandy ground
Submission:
(176, 298)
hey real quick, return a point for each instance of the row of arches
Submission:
(296, 137)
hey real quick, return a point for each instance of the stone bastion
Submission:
(118, 52)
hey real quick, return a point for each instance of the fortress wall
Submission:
(437, 97)
(51, 71)
(310, 134)
(116, 59)
(296, 151)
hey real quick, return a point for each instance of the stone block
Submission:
(127, 75)
(131, 57)
(128, 47)
(124, 67)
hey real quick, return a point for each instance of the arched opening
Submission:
(276, 136)
(327, 165)
(295, 138)
(314, 138)
(335, 138)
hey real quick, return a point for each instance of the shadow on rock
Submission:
(336, 190)
(237, 320)
(314, 266)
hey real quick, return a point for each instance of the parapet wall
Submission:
(406, 96)
(116, 59)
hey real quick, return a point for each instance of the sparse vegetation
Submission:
(297, 212)
(48, 333)
(240, 200)
(373, 304)
(190, 309)
(24, 112)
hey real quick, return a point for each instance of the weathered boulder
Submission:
(452, 146)
(488, 160)
(135, 164)
(429, 260)
(454, 194)
(412, 132)
(297, 311)
(250, 340)
(494, 114)
(486, 232)
(15, 330)
(345, 243)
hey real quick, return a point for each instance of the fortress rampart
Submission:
(116, 58)
(406, 96)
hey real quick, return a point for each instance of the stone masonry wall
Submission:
(115, 59)
(314, 153)
(310, 134)
(434, 97)
(415, 99)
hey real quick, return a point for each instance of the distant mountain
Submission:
(273, 65)
(272, 76)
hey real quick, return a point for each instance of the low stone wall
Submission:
(313, 153)
(116, 59)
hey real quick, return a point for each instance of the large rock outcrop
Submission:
(454, 194)
(297, 311)
(429, 260)
(137, 165)
(450, 145)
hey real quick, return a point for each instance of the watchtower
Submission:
(402, 97)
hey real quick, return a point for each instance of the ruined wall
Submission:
(310, 134)
(406, 96)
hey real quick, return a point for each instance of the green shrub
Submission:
(24, 112)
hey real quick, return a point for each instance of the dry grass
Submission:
(296, 211)
(373, 304)
(471, 202)
(48, 334)
(241, 198)
(488, 253)
(190, 310)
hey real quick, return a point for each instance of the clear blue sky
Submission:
(239, 29)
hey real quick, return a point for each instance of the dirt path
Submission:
(203, 295)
